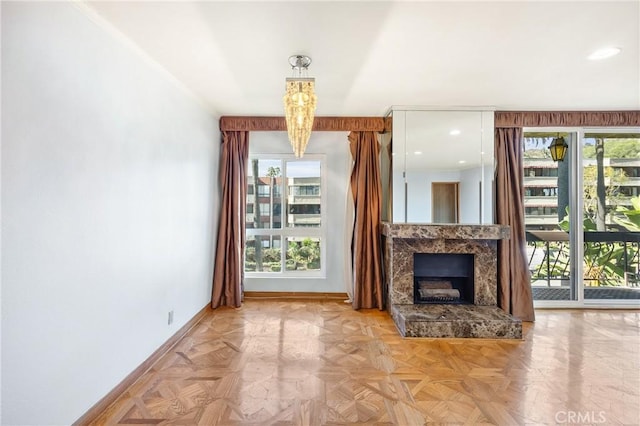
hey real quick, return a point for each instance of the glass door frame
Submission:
(576, 207)
(576, 247)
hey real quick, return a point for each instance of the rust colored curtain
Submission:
(228, 268)
(366, 246)
(514, 282)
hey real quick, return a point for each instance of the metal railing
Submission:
(610, 258)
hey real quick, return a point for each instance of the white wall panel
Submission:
(109, 201)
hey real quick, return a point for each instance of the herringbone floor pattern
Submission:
(322, 363)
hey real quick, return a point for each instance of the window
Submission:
(263, 190)
(630, 191)
(284, 235)
(541, 192)
(540, 211)
(541, 179)
(265, 209)
(550, 170)
(304, 209)
(305, 190)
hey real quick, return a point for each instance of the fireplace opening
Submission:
(443, 278)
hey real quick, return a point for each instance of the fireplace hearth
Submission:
(441, 281)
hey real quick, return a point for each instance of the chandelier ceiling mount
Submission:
(300, 61)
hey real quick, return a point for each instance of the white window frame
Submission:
(285, 232)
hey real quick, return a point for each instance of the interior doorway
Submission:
(445, 198)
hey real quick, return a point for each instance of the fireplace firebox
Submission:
(443, 278)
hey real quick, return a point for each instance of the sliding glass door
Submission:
(611, 215)
(548, 197)
(582, 217)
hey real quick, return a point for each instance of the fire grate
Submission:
(440, 299)
(437, 291)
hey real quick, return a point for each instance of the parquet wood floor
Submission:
(322, 363)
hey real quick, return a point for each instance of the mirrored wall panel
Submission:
(442, 166)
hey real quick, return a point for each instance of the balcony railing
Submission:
(610, 258)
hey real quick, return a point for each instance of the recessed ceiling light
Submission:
(454, 132)
(417, 152)
(604, 53)
(461, 162)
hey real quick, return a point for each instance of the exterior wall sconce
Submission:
(558, 148)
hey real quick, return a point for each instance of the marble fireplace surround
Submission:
(481, 319)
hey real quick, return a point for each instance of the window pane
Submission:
(610, 167)
(303, 187)
(303, 254)
(283, 195)
(547, 244)
(540, 185)
(263, 253)
(611, 261)
(265, 201)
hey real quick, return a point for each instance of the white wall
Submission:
(338, 169)
(488, 196)
(470, 196)
(109, 201)
(419, 192)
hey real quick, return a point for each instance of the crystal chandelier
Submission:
(299, 104)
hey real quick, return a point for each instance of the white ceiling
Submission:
(369, 56)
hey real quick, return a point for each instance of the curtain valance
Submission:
(506, 119)
(327, 124)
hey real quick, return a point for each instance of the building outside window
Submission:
(541, 202)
